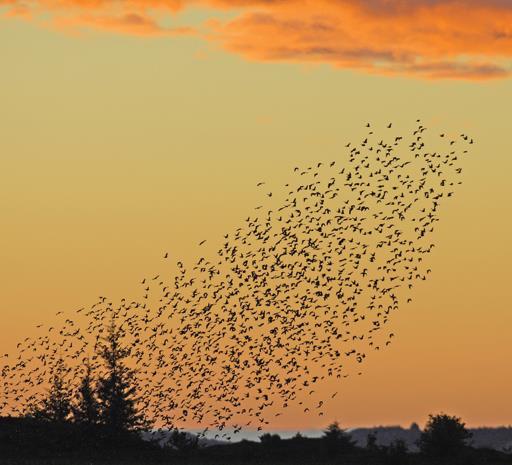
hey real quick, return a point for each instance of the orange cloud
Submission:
(129, 23)
(426, 38)
(444, 40)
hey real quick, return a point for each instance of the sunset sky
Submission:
(135, 128)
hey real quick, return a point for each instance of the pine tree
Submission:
(86, 410)
(337, 440)
(116, 390)
(56, 406)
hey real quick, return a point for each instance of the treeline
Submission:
(100, 421)
(98, 414)
(107, 400)
(444, 441)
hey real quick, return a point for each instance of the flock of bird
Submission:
(298, 295)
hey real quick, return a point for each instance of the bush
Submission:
(336, 440)
(443, 436)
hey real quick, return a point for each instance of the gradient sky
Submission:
(130, 129)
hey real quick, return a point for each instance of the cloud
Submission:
(439, 40)
(129, 23)
(430, 39)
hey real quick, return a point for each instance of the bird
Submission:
(288, 301)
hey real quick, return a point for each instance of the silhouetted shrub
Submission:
(336, 440)
(443, 435)
(371, 442)
(270, 440)
(182, 442)
(397, 452)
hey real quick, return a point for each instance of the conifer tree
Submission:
(337, 440)
(56, 406)
(86, 411)
(117, 389)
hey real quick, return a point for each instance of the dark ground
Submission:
(31, 442)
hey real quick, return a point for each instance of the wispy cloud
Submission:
(431, 39)
(138, 24)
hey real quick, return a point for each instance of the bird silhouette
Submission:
(295, 297)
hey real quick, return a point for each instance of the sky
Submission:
(131, 129)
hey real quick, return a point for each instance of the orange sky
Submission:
(130, 131)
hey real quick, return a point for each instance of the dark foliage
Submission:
(117, 391)
(337, 441)
(396, 453)
(87, 409)
(30, 441)
(182, 442)
(371, 442)
(56, 406)
(100, 424)
(270, 440)
(444, 436)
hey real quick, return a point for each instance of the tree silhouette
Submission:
(398, 447)
(371, 441)
(117, 390)
(396, 453)
(443, 435)
(87, 409)
(56, 406)
(270, 440)
(182, 442)
(336, 440)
